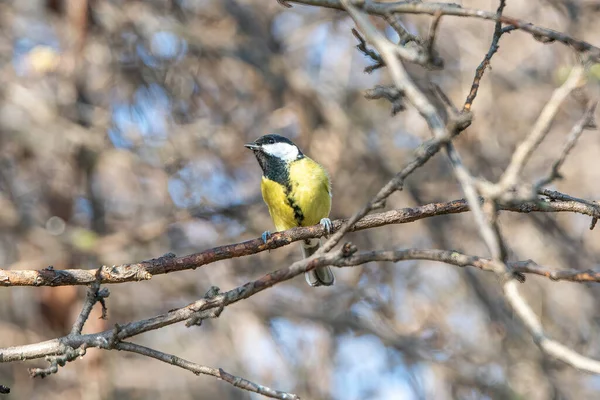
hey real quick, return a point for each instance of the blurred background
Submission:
(122, 126)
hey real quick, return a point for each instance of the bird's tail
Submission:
(319, 276)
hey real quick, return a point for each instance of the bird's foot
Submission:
(265, 236)
(326, 223)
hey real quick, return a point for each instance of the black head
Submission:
(272, 139)
(263, 142)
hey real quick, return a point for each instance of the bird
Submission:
(297, 191)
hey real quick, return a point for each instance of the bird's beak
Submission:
(252, 146)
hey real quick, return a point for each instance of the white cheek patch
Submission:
(284, 151)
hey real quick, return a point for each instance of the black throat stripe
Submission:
(274, 168)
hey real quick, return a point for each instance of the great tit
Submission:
(298, 193)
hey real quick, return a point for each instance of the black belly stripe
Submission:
(298, 214)
(278, 171)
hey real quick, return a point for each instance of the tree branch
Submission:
(344, 257)
(146, 269)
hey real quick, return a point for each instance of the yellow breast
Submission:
(304, 201)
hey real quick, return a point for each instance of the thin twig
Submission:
(466, 181)
(404, 35)
(572, 275)
(362, 47)
(67, 354)
(554, 195)
(538, 133)
(546, 344)
(586, 122)
(416, 54)
(200, 369)
(385, 9)
(498, 32)
(391, 94)
(433, 29)
(93, 295)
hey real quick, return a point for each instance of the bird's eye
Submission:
(271, 141)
